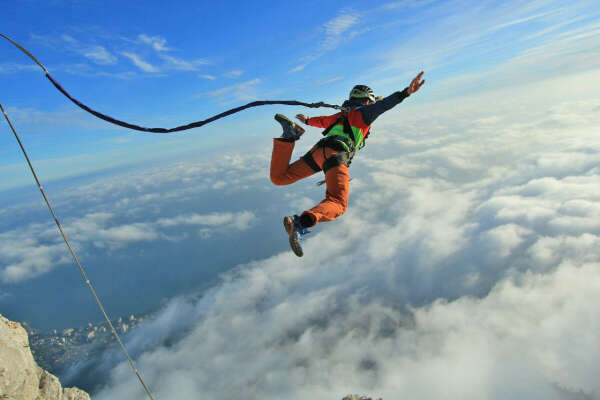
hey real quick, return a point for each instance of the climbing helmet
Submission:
(362, 92)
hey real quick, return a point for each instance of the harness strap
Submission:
(308, 158)
(349, 132)
(337, 160)
(337, 121)
(333, 142)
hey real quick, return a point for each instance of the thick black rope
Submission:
(192, 125)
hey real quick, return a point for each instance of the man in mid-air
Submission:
(345, 133)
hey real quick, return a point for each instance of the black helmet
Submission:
(362, 92)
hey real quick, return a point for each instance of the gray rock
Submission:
(20, 376)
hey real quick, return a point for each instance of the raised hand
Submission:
(415, 84)
(302, 118)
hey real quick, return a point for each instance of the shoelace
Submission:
(304, 231)
(299, 228)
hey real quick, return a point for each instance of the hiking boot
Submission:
(291, 130)
(295, 230)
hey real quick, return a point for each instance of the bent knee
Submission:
(279, 180)
(341, 205)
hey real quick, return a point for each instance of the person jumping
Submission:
(345, 133)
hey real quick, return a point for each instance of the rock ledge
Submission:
(20, 377)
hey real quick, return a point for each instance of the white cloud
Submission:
(550, 250)
(36, 249)
(129, 233)
(329, 81)
(33, 118)
(219, 185)
(272, 335)
(524, 19)
(502, 240)
(139, 62)
(69, 39)
(26, 259)
(11, 68)
(241, 91)
(99, 55)
(22, 257)
(338, 26)
(183, 65)
(542, 46)
(299, 68)
(208, 77)
(240, 221)
(467, 263)
(406, 4)
(158, 43)
(234, 74)
(158, 61)
(471, 241)
(96, 53)
(335, 32)
(83, 69)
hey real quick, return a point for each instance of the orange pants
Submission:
(337, 179)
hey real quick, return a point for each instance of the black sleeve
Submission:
(372, 111)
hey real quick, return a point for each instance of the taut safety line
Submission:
(196, 124)
(83, 274)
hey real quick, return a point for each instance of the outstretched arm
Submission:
(372, 111)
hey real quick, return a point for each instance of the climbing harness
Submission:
(343, 156)
(191, 125)
(345, 146)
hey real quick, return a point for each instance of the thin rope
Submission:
(185, 127)
(83, 274)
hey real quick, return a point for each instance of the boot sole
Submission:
(288, 224)
(282, 118)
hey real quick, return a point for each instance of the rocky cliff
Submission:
(20, 377)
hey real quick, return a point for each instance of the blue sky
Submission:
(162, 66)
(472, 239)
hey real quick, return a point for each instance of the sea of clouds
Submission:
(164, 230)
(467, 266)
